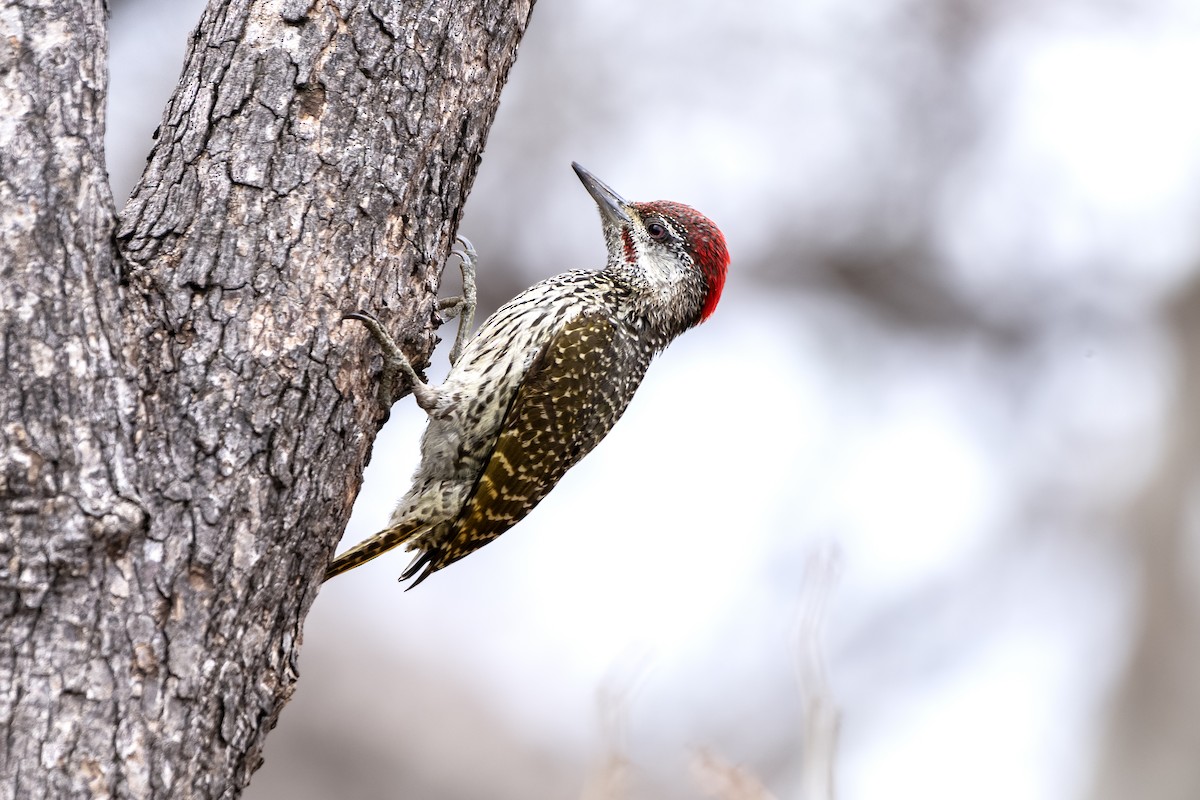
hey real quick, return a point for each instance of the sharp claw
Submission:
(468, 248)
(361, 316)
(464, 250)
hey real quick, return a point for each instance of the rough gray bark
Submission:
(183, 421)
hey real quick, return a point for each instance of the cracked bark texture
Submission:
(183, 420)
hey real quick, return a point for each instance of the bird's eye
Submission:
(656, 230)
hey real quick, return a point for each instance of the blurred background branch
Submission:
(1153, 728)
(820, 716)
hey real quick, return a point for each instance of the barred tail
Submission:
(377, 545)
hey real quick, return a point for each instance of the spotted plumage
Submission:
(545, 379)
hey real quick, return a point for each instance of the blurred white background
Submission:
(959, 349)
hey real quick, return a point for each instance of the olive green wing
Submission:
(574, 391)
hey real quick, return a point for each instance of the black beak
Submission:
(612, 206)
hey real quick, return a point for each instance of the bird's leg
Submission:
(462, 307)
(395, 363)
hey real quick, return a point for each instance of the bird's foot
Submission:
(395, 364)
(463, 306)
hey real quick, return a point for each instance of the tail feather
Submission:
(424, 565)
(377, 545)
(431, 558)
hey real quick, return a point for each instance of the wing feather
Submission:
(574, 391)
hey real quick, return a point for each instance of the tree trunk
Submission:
(183, 420)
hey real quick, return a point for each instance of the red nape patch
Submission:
(706, 243)
(630, 250)
(713, 257)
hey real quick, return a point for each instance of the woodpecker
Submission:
(545, 378)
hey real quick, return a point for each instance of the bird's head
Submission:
(672, 247)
